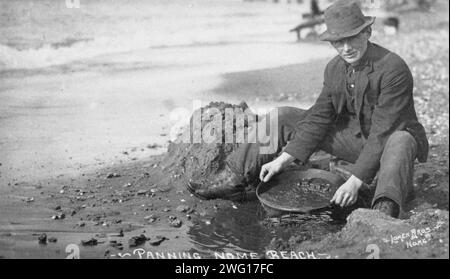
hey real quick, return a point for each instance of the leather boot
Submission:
(225, 185)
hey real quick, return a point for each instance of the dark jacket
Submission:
(384, 104)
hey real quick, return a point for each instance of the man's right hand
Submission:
(270, 169)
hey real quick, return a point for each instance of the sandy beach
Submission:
(83, 144)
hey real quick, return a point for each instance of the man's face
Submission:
(353, 48)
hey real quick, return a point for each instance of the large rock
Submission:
(371, 234)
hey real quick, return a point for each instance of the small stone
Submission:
(166, 209)
(137, 240)
(153, 146)
(142, 192)
(81, 224)
(89, 242)
(183, 208)
(42, 239)
(116, 244)
(59, 216)
(52, 239)
(112, 175)
(159, 239)
(175, 222)
(150, 218)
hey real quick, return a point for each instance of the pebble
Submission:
(158, 241)
(137, 240)
(153, 146)
(112, 175)
(142, 192)
(183, 208)
(115, 244)
(42, 239)
(52, 239)
(81, 224)
(150, 218)
(59, 216)
(89, 242)
(175, 222)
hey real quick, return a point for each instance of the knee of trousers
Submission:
(284, 115)
(399, 145)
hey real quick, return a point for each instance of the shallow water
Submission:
(234, 233)
(30, 38)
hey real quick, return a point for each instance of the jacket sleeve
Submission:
(395, 97)
(313, 128)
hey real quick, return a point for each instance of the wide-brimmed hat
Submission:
(344, 19)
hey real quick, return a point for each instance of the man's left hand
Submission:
(347, 194)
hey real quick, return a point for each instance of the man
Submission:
(365, 115)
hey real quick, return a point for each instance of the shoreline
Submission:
(64, 121)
